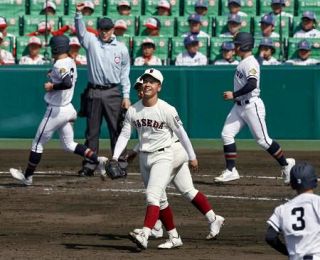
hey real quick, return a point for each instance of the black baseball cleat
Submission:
(86, 172)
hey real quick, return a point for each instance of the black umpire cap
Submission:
(105, 24)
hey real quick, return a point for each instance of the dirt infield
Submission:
(66, 217)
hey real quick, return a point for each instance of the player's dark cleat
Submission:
(86, 172)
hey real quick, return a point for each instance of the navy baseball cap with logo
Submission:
(190, 39)
(309, 15)
(266, 41)
(237, 2)
(281, 2)
(227, 46)
(268, 19)
(304, 45)
(105, 23)
(194, 18)
(303, 177)
(234, 18)
(201, 3)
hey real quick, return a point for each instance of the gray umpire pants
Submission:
(102, 103)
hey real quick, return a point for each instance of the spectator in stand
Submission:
(304, 53)
(88, 9)
(164, 8)
(49, 8)
(74, 51)
(277, 7)
(195, 27)
(43, 28)
(6, 58)
(201, 7)
(267, 23)
(228, 52)
(308, 26)
(153, 27)
(147, 59)
(4, 27)
(124, 7)
(192, 56)
(266, 50)
(234, 7)
(34, 57)
(120, 28)
(234, 25)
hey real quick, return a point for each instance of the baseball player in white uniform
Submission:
(148, 59)
(34, 57)
(182, 180)
(299, 219)
(60, 112)
(227, 51)
(308, 24)
(6, 57)
(248, 110)
(304, 53)
(266, 50)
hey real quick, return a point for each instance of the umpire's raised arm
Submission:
(82, 33)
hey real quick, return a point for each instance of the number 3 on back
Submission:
(301, 224)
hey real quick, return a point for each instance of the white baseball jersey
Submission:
(314, 33)
(6, 57)
(247, 68)
(306, 62)
(299, 221)
(227, 34)
(155, 125)
(225, 62)
(201, 34)
(242, 14)
(283, 14)
(27, 60)
(272, 35)
(140, 61)
(81, 60)
(62, 68)
(184, 59)
(271, 61)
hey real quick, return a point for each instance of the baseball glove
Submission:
(117, 169)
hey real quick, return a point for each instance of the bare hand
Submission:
(126, 103)
(48, 86)
(228, 95)
(193, 164)
(131, 155)
(80, 7)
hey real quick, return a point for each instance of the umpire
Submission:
(108, 68)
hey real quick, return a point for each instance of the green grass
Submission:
(213, 144)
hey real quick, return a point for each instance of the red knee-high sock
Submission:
(201, 202)
(152, 216)
(166, 217)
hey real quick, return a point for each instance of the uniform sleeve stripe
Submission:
(271, 223)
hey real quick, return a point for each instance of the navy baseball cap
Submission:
(238, 2)
(201, 3)
(227, 46)
(266, 41)
(190, 39)
(281, 2)
(194, 18)
(303, 176)
(309, 15)
(234, 18)
(268, 19)
(105, 23)
(304, 45)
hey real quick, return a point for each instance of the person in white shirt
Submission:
(267, 23)
(163, 8)
(277, 7)
(6, 57)
(308, 24)
(298, 220)
(75, 47)
(195, 27)
(304, 53)
(266, 50)
(234, 25)
(192, 56)
(201, 7)
(147, 59)
(228, 52)
(234, 7)
(34, 57)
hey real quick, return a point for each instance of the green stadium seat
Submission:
(136, 7)
(286, 26)
(162, 47)
(265, 6)
(178, 47)
(12, 8)
(126, 40)
(31, 22)
(309, 5)
(213, 9)
(131, 22)
(151, 7)
(293, 48)
(167, 25)
(36, 6)
(183, 25)
(279, 48)
(247, 6)
(99, 7)
(221, 24)
(15, 25)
